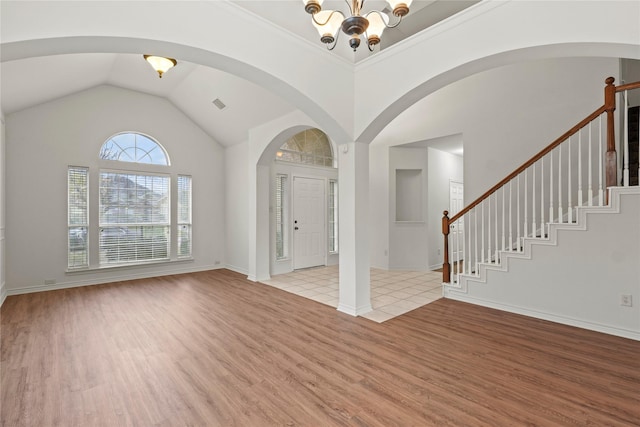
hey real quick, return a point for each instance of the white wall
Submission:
(580, 280)
(237, 207)
(3, 288)
(442, 168)
(408, 239)
(507, 114)
(487, 35)
(504, 115)
(379, 211)
(41, 142)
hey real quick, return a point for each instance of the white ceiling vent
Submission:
(219, 104)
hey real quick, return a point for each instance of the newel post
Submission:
(611, 161)
(446, 267)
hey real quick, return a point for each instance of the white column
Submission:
(353, 206)
(259, 223)
(3, 289)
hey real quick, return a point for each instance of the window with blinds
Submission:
(134, 217)
(333, 215)
(184, 216)
(281, 238)
(136, 213)
(78, 217)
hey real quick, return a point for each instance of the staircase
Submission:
(558, 239)
(576, 275)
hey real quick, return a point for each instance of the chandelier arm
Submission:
(322, 24)
(335, 42)
(349, 5)
(384, 14)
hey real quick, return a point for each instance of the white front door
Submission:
(456, 231)
(308, 222)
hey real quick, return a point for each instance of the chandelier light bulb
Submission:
(160, 63)
(312, 6)
(400, 7)
(329, 22)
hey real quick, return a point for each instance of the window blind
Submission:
(78, 217)
(184, 216)
(134, 217)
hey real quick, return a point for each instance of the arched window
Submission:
(309, 147)
(135, 148)
(134, 204)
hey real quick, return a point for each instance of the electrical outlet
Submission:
(216, 262)
(438, 251)
(626, 300)
(49, 282)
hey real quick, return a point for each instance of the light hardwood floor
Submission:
(213, 349)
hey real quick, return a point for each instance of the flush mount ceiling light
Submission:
(372, 24)
(160, 63)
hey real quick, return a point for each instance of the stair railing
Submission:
(574, 170)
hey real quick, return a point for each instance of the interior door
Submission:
(308, 222)
(456, 232)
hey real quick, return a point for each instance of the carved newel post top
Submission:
(445, 213)
(609, 81)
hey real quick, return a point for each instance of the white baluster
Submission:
(467, 243)
(625, 141)
(526, 197)
(504, 196)
(482, 259)
(590, 174)
(489, 228)
(550, 187)
(495, 205)
(510, 216)
(542, 224)
(560, 211)
(518, 245)
(580, 167)
(533, 208)
(569, 195)
(475, 239)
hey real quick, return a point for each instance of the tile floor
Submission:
(392, 292)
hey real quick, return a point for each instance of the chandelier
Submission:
(371, 24)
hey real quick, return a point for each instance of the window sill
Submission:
(126, 266)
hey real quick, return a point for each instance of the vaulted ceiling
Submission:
(193, 88)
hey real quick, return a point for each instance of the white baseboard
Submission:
(110, 279)
(435, 267)
(3, 293)
(606, 329)
(237, 269)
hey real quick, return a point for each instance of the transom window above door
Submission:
(309, 147)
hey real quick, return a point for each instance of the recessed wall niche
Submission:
(409, 195)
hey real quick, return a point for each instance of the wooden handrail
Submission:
(628, 86)
(530, 162)
(609, 107)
